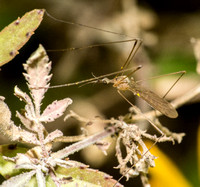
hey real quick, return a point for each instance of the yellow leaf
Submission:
(166, 173)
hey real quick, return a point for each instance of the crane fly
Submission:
(127, 83)
(124, 83)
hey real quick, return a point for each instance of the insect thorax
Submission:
(121, 82)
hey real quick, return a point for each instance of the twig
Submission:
(89, 121)
(82, 144)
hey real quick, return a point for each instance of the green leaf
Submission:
(7, 168)
(85, 177)
(15, 35)
(80, 176)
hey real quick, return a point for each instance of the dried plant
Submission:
(39, 160)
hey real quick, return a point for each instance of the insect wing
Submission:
(154, 100)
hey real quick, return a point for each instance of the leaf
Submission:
(7, 126)
(26, 122)
(15, 35)
(166, 173)
(85, 177)
(7, 168)
(5, 118)
(19, 180)
(22, 95)
(55, 110)
(40, 178)
(11, 130)
(37, 76)
(30, 112)
(55, 134)
(81, 176)
(25, 136)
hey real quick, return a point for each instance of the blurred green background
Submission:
(165, 27)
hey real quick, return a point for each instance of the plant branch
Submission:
(82, 144)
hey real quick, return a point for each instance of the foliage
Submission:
(40, 160)
(40, 166)
(15, 35)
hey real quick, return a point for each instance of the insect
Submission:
(126, 83)
(123, 83)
